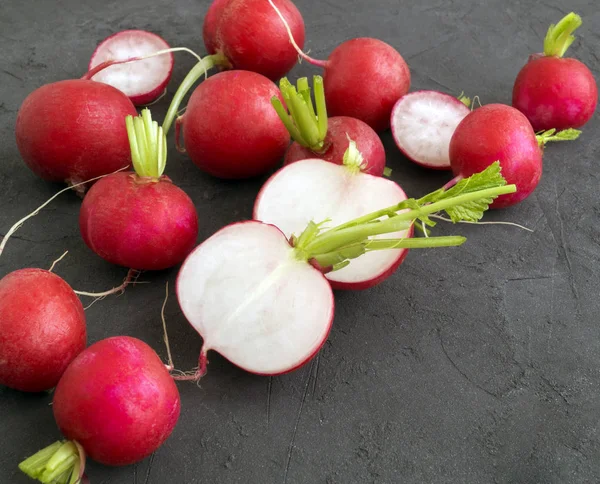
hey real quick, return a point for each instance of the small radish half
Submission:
(142, 81)
(315, 190)
(423, 123)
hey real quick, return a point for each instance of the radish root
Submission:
(170, 365)
(440, 217)
(58, 260)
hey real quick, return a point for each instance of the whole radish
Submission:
(42, 329)
(497, 132)
(260, 299)
(318, 137)
(142, 81)
(116, 403)
(554, 91)
(250, 34)
(73, 130)
(140, 219)
(423, 123)
(230, 128)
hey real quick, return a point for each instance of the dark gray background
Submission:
(472, 365)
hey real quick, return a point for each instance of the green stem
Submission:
(148, 145)
(306, 125)
(569, 134)
(464, 99)
(59, 463)
(195, 73)
(559, 37)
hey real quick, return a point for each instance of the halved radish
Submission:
(260, 299)
(423, 123)
(338, 194)
(142, 81)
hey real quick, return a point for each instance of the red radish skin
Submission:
(42, 329)
(74, 130)
(555, 92)
(251, 35)
(138, 222)
(496, 132)
(364, 78)
(338, 131)
(117, 400)
(230, 128)
(251, 329)
(423, 123)
(142, 81)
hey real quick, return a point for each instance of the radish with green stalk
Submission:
(261, 299)
(315, 136)
(555, 92)
(140, 219)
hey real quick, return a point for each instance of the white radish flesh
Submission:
(253, 302)
(316, 190)
(423, 123)
(142, 81)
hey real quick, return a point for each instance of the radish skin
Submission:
(42, 329)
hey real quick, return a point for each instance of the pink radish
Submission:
(74, 130)
(496, 132)
(338, 194)
(318, 137)
(140, 220)
(42, 329)
(423, 123)
(143, 81)
(259, 298)
(251, 36)
(116, 403)
(230, 128)
(553, 91)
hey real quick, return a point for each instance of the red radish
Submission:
(140, 220)
(42, 329)
(553, 91)
(142, 81)
(74, 130)
(116, 402)
(230, 127)
(423, 123)
(496, 132)
(314, 190)
(250, 34)
(317, 137)
(260, 299)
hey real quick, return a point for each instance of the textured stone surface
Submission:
(471, 365)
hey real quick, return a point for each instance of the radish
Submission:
(42, 329)
(140, 220)
(553, 91)
(496, 132)
(317, 137)
(143, 81)
(314, 190)
(230, 127)
(423, 123)
(116, 403)
(260, 298)
(74, 130)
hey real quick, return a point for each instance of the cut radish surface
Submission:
(142, 81)
(317, 190)
(253, 302)
(423, 123)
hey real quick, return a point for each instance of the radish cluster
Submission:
(260, 292)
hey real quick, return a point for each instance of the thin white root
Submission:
(440, 217)
(16, 226)
(163, 94)
(131, 278)
(58, 260)
(165, 334)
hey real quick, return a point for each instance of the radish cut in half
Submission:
(253, 301)
(316, 190)
(142, 81)
(423, 123)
